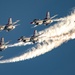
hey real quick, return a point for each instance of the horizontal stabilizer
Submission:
(16, 22)
(53, 16)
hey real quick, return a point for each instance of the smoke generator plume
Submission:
(55, 35)
(19, 44)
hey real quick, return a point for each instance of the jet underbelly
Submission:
(26, 39)
(34, 39)
(39, 22)
(48, 21)
(10, 27)
(3, 47)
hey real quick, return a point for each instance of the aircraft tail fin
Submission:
(2, 41)
(9, 21)
(35, 33)
(47, 15)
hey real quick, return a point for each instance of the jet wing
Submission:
(53, 16)
(7, 42)
(16, 22)
(1, 57)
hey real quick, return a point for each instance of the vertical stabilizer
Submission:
(2, 41)
(9, 21)
(35, 33)
(47, 15)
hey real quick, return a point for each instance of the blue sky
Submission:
(59, 61)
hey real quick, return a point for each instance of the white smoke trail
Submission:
(41, 49)
(55, 36)
(66, 24)
(19, 44)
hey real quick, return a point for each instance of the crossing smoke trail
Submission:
(55, 36)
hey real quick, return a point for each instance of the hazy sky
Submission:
(59, 61)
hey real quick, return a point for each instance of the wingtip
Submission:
(1, 57)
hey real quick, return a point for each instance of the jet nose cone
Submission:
(31, 22)
(18, 39)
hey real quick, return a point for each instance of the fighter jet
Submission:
(33, 38)
(3, 45)
(10, 25)
(37, 22)
(48, 20)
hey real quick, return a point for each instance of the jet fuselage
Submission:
(37, 22)
(2, 47)
(47, 21)
(9, 27)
